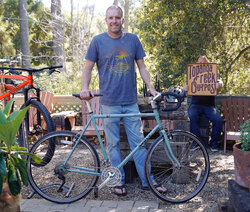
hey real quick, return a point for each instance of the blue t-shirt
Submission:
(115, 59)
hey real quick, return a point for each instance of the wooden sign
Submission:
(201, 79)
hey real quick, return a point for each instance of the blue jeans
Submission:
(212, 114)
(133, 127)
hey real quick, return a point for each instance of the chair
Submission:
(47, 99)
(95, 105)
(236, 112)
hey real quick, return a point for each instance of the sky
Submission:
(100, 5)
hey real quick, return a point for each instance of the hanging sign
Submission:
(201, 79)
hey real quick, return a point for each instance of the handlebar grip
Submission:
(52, 67)
(76, 95)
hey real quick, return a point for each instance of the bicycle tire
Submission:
(183, 183)
(46, 180)
(29, 133)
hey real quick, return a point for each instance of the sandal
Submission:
(158, 187)
(121, 187)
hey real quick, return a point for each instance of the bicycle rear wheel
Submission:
(36, 123)
(48, 180)
(182, 183)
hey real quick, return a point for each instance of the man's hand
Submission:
(86, 94)
(153, 92)
(219, 84)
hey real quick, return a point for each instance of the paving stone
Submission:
(122, 210)
(148, 204)
(109, 204)
(140, 209)
(78, 208)
(156, 210)
(102, 209)
(125, 205)
(30, 204)
(58, 207)
(94, 203)
(36, 209)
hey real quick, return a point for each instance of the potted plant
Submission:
(13, 170)
(241, 152)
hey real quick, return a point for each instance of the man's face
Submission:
(114, 21)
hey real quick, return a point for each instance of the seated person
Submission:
(205, 105)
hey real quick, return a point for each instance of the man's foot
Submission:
(120, 190)
(214, 149)
(158, 187)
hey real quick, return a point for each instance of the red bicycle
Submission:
(37, 121)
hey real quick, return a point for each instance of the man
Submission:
(205, 105)
(115, 53)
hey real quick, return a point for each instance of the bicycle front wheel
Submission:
(36, 123)
(59, 182)
(182, 182)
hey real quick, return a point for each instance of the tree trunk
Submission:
(72, 30)
(126, 15)
(24, 34)
(58, 34)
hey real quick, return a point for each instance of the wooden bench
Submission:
(95, 105)
(236, 112)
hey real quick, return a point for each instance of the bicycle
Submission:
(75, 167)
(37, 120)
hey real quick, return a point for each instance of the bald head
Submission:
(202, 59)
(114, 7)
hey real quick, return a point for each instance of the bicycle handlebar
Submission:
(179, 97)
(13, 69)
(78, 95)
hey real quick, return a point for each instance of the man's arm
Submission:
(86, 78)
(146, 76)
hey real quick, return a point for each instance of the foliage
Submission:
(176, 33)
(245, 136)
(12, 157)
(10, 30)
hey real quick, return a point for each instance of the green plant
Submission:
(12, 158)
(245, 136)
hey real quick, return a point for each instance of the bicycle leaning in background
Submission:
(37, 120)
(74, 167)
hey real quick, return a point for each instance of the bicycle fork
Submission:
(168, 150)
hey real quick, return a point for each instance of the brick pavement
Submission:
(41, 205)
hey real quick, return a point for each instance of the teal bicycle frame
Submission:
(93, 118)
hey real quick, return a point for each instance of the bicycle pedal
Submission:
(96, 192)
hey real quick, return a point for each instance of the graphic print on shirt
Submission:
(119, 62)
